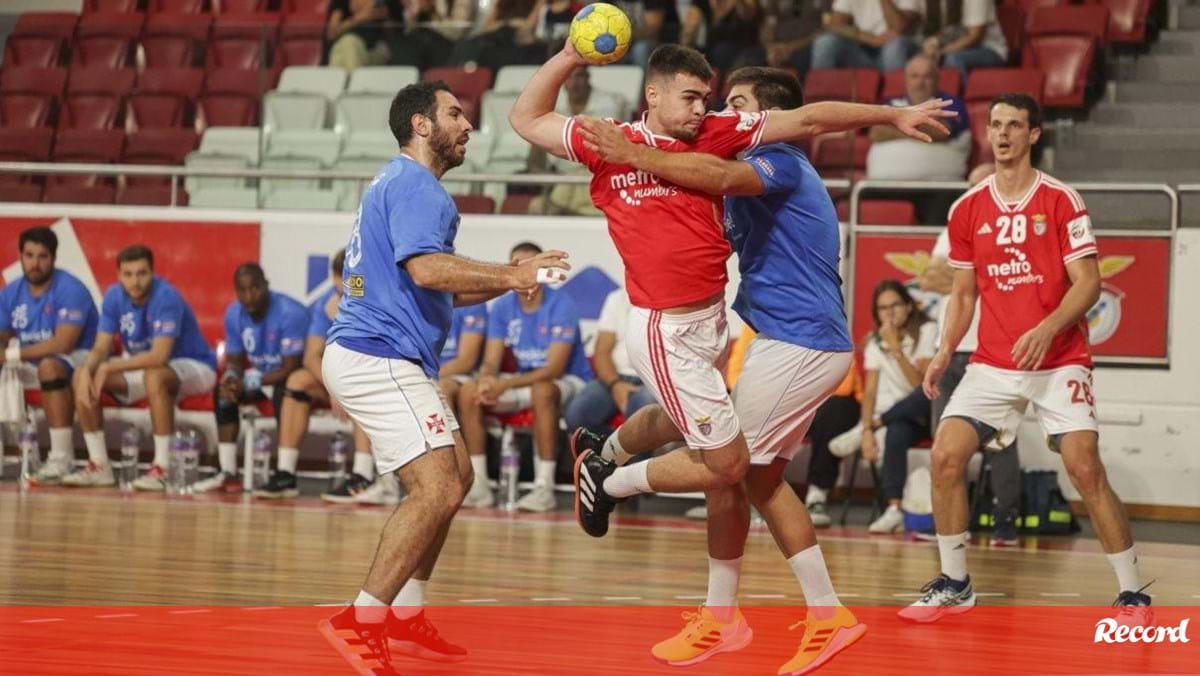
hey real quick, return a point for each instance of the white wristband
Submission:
(12, 353)
(551, 275)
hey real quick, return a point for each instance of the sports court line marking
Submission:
(1060, 594)
(691, 597)
(989, 593)
(550, 598)
(188, 612)
(478, 600)
(632, 598)
(264, 608)
(765, 596)
(43, 621)
(909, 595)
(115, 616)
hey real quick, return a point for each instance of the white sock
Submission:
(369, 609)
(97, 451)
(364, 465)
(613, 451)
(479, 465)
(1124, 564)
(162, 450)
(227, 456)
(288, 457)
(815, 495)
(723, 578)
(61, 444)
(543, 473)
(813, 575)
(410, 599)
(953, 552)
(628, 480)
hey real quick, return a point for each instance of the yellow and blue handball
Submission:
(601, 33)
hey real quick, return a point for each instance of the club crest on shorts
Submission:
(435, 423)
(704, 423)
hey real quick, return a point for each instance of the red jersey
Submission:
(671, 239)
(1019, 252)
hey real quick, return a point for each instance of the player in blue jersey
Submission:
(165, 358)
(264, 341)
(542, 332)
(402, 280)
(53, 318)
(784, 227)
(462, 351)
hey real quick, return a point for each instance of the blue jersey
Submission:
(34, 320)
(266, 342)
(787, 244)
(165, 314)
(383, 313)
(469, 319)
(530, 335)
(318, 320)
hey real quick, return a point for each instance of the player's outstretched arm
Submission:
(461, 276)
(916, 122)
(532, 115)
(960, 310)
(697, 171)
(1030, 349)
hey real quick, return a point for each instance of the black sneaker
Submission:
(349, 490)
(1004, 531)
(364, 646)
(942, 596)
(583, 439)
(281, 485)
(417, 637)
(1133, 608)
(592, 504)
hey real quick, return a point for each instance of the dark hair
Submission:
(671, 60)
(525, 246)
(1020, 101)
(251, 269)
(135, 252)
(916, 316)
(338, 263)
(773, 87)
(415, 99)
(39, 235)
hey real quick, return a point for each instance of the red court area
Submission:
(575, 640)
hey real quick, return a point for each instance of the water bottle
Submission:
(510, 470)
(338, 450)
(31, 457)
(191, 461)
(262, 459)
(252, 380)
(131, 442)
(177, 464)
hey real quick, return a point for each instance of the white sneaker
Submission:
(52, 472)
(891, 521)
(221, 481)
(540, 499)
(92, 476)
(818, 515)
(845, 444)
(480, 496)
(943, 596)
(385, 491)
(699, 513)
(153, 480)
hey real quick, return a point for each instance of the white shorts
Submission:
(521, 398)
(1062, 400)
(195, 377)
(28, 371)
(681, 358)
(401, 410)
(778, 393)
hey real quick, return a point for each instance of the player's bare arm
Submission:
(314, 349)
(825, 117)
(279, 376)
(470, 346)
(532, 115)
(449, 273)
(158, 355)
(960, 310)
(1030, 349)
(489, 371)
(64, 340)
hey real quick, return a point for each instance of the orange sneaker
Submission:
(822, 640)
(702, 637)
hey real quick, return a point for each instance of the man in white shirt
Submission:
(968, 35)
(617, 388)
(868, 34)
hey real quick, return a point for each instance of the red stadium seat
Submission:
(102, 52)
(166, 147)
(195, 26)
(32, 50)
(175, 6)
(1029, 6)
(239, 6)
(59, 25)
(24, 145)
(475, 204)
(949, 81)
(169, 51)
(260, 26)
(25, 110)
(152, 197)
(118, 83)
(231, 97)
(165, 97)
(86, 146)
(125, 6)
(842, 84)
(109, 24)
(987, 83)
(1064, 42)
(840, 155)
(236, 52)
(299, 52)
(516, 204)
(174, 40)
(1012, 24)
(1127, 20)
(1089, 20)
(305, 7)
(467, 85)
(78, 194)
(308, 26)
(880, 212)
(20, 192)
(49, 82)
(90, 111)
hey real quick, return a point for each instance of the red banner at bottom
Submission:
(587, 640)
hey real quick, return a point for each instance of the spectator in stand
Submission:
(726, 31)
(264, 344)
(165, 359)
(655, 22)
(789, 28)
(542, 331)
(53, 318)
(617, 388)
(421, 44)
(554, 21)
(506, 38)
(964, 34)
(839, 414)
(357, 31)
(867, 34)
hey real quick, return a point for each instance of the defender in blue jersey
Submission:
(264, 341)
(783, 224)
(402, 280)
(165, 358)
(52, 317)
(541, 333)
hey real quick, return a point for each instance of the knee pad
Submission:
(299, 395)
(55, 384)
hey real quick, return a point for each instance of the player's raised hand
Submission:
(568, 51)
(924, 119)
(546, 267)
(1030, 349)
(606, 140)
(933, 374)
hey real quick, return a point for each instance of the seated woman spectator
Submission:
(725, 30)
(964, 34)
(356, 32)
